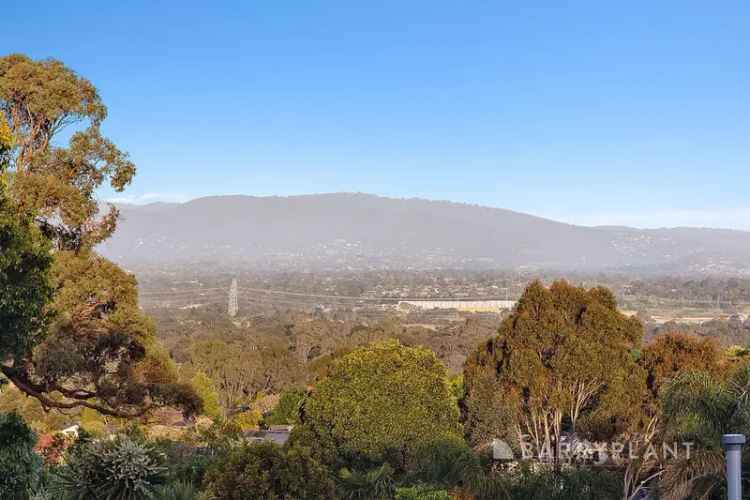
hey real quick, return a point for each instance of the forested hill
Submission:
(359, 230)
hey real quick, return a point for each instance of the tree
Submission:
(670, 354)
(6, 144)
(288, 409)
(563, 354)
(383, 402)
(204, 387)
(100, 351)
(664, 359)
(39, 99)
(241, 370)
(19, 464)
(25, 287)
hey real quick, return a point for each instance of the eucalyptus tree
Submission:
(89, 346)
(565, 353)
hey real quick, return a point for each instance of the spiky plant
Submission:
(120, 469)
(699, 408)
(179, 490)
(372, 484)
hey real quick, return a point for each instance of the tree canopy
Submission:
(670, 354)
(25, 287)
(383, 402)
(77, 337)
(564, 353)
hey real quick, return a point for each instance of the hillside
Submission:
(359, 230)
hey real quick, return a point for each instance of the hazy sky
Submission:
(590, 112)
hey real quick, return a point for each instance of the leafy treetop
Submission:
(564, 353)
(77, 337)
(383, 402)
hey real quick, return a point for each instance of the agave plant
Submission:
(121, 469)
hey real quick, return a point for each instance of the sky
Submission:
(634, 113)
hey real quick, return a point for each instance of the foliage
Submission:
(120, 469)
(447, 462)
(486, 412)
(6, 143)
(699, 407)
(92, 422)
(383, 402)
(39, 99)
(220, 437)
(421, 493)
(240, 371)
(376, 483)
(53, 451)
(176, 491)
(25, 289)
(19, 464)
(203, 386)
(670, 354)
(287, 411)
(565, 352)
(186, 462)
(100, 353)
(264, 471)
(575, 484)
(247, 420)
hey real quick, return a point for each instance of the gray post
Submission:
(732, 444)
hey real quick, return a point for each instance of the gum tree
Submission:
(564, 354)
(89, 345)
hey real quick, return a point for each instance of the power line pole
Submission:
(233, 308)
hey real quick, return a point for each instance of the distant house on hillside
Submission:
(278, 434)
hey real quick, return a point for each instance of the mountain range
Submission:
(353, 230)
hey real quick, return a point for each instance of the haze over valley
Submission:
(361, 231)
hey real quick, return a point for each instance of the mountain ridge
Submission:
(359, 229)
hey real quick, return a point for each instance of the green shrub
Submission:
(288, 410)
(119, 469)
(422, 493)
(549, 485)
(20, 467)
(374, 484)
(447, 462)
(264, 471)
(176, 491)
(382, 403)
(185, 462)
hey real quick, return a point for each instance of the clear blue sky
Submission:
(591, 112)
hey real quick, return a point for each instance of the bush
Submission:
(374, 484)
(421, 493)
(287, 410)
(120, 469)
(185, 462)
(550, 485)
(177, 491)
(447, 462)
(20, 467)
(263, 471)
(382, 403)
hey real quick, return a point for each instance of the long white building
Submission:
(461, 305)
